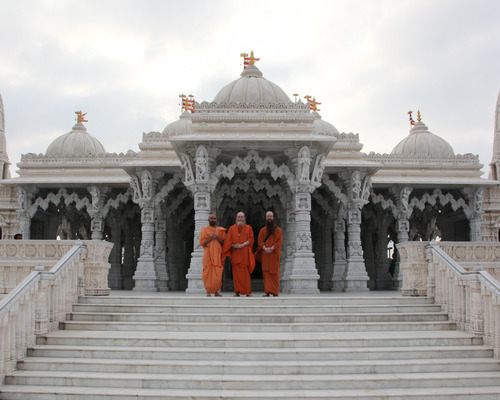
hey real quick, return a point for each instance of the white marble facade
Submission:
(251, 149)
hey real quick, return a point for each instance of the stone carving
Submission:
(404, 196)
(355, 189)
(478, 200)
(304, 164)
(22, 199)
(188, 169)
(134, 183)
(95, 195)
(319, 167)
(201, 164)
(147, 184)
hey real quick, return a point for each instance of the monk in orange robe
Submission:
(238, 246)
(211, 239)
(269, 246)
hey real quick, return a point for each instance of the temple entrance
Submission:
(249, 194)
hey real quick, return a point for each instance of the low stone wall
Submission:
(469, 255)
(20, 257)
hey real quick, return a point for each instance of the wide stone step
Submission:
(261, 354)
(253, 379)
(119, 322)
(250, 340)
(293, 300)
(273, 367)
(85, 393)
(285, 318)
(260, 309)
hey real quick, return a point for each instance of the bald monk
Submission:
(238, 246)
(269, 245)
(211, 239)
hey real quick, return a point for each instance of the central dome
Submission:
(251, 88)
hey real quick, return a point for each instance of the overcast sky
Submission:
(124, 63)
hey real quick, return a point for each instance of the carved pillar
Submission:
(202, 189)
(115, 280)
(145, 274)
(160, 253)
(95, 211)
(383, 278)
(326, 259)
(339, 251)
(302, 276)
(475, 214)
(402, 195)
(355, 275)
(24, 212)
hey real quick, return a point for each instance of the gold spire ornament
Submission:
(419, 117)
(80, 117)
(248, 60)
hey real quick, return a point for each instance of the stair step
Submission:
(252, 379)
(260, 354)
(282, 318)
(117, 323)
(275, 367)
(84, 393)
(250, 340)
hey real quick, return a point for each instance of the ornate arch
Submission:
(243, 164)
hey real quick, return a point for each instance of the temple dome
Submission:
(251, 88)
(321, 127)
(180, 127)
(421, 142)
(78, 141)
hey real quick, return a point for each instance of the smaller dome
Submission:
(321, 127)
(78, 141)
(421, 142)
(180, 127)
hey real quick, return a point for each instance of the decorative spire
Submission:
(313, 104)
(412, 122)
(80, 117)
(187, 102)
(248, 60)
(295, 95)
(419, 118)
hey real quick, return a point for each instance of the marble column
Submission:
(402, 195)
(339, 251)
(95, 211)
(115, 280)
(145, 274)
(301, 275)
(160, 254)
(355, 275)
(326, 258)
(24, 199)
(475, 214)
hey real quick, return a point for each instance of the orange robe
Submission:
(242, 260)
(271, 262)
(213, 265)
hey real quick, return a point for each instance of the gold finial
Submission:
(248, 60)
(419, 117)
(80, 117)
(187, 102)
(412, 122)
(314, 104)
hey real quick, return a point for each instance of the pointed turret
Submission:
(4, 158)
(495, 160)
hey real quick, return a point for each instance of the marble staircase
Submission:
(291, 347)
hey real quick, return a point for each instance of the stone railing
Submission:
(470, 297)
(43, 298)
(19, 257)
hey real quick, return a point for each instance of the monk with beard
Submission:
(269, 246)
(238, 246)
(211, 239)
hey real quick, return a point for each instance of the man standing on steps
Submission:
(238, 246)
(211, 239)
(269, 254)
